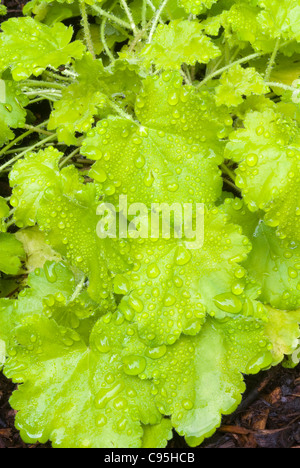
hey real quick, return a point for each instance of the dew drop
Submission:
(156, 353)
(182, 256)
(228, 303)
(134, 365)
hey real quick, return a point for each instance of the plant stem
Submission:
(78, 289)
(232, 185)
(103, 39)
(238, 62)
(272, 60)
(283, 86)
(120, 111)
(43, 84)
(56, 76)
(21, 137)
(50, 95)
(86, 28)
(70, 156)
(129, 16)
(38, 99)
(144, 14)
(138, 37)
(38, 130)
(227, 67)
(111, 17)
(36, 145)
(228, 171)
(153, 9)
(15, 141)
(156, 19)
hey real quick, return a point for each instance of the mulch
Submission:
(268, 417)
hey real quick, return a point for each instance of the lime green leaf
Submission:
(30, 177)
(3, 10)
(180, 42)
(161, 160)
(80, 101)
(196, 7)
(2, 346)
(157, 436)
(171, 11)
(51, 12)
(36, 249)
(273, 263)
(185, 285)
(240, 23)
(238, 82)
(5, 133)
(86, 385)
(52, 291)
(269, 140)
(95, 86)
(12, 113)
(280, 18)
(12, 102)
(71, 229)
(29, 47)
(66, 210)
(53, 280)
(11, 254)
(283, 332)
(4, 209)
(198, 379)
(4, 212)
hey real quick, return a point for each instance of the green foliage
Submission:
(167, 50)
(35, 47)
(118, 338)
(12, 254)
(238, 82)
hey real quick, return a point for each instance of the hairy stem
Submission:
(129, 16)
(78, 289)
(56, 76)
(37, 130)
(86, 28)
(70, 156)
(228, 171)
(272, 84)
(21, 137)
(43, 84)
(238, 62)
(156, 20)
(119, 110)
(144, 14)
(111, 17)
(103, 39)
(227, 67)
(272, 60)
(30, 148)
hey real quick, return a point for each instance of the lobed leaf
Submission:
(171, 154)
(28, 47)
(269, 140)
(177, 43)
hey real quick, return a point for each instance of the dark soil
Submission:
(14, 7)
(268, 417)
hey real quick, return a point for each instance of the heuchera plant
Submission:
(114, 342)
